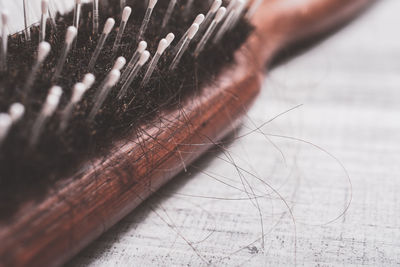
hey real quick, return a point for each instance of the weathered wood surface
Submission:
(350, 90)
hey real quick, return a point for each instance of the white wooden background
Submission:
(283, 204)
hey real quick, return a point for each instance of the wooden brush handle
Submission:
(81, 208)
(281, 23)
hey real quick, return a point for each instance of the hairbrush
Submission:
(103, 105)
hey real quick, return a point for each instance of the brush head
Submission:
(56, 154)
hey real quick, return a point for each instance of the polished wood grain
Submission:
(81, 208)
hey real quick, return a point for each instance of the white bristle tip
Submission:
(78, 2)
(231, 4)
(79, 90)
(193, 30)
(152, 3)
(109, 25)
(215, 5)
(71, 34)
(142, 46)
(126, 13)
(43, 50)
(4, 17)
(52, 100)
(220, 14)
(162, 46)
(144, 57)
(5, 121)
(45, 6)
(113, 77)
(199, 19)
(170, 38)
(119, 63)
(16, 111)
(79, 87)
(239, 4)
(88, 80)
(56, 91)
